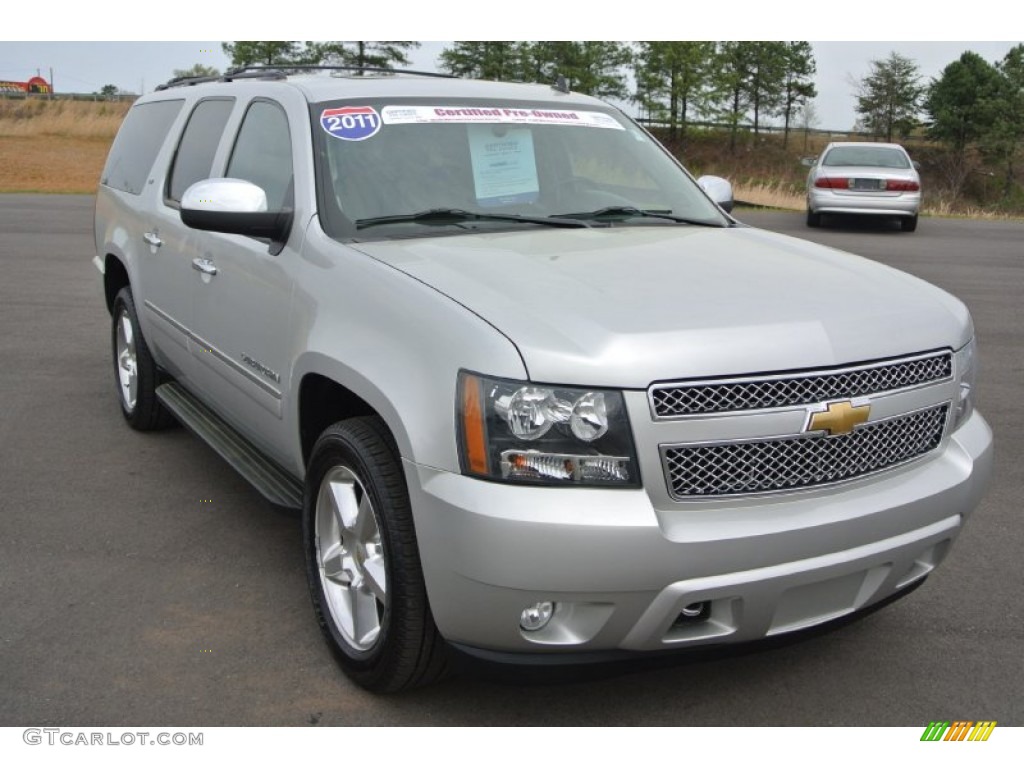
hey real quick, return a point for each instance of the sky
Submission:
(81, 63)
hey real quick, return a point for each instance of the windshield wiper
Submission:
(454, 215)
(628, 211)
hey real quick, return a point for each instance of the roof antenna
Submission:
(561, 84)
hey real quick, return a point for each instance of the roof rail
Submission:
(299, 68)
(267, 73)
(281, 71)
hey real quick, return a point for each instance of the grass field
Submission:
(55, 146)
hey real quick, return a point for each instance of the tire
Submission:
(136, 374)
(813, 219)
(362, 560)
(908, 223)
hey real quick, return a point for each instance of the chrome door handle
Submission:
(153, 239)
(205, 266)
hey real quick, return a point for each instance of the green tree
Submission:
(964, 105)
(244, 53)
(731, 85)
(197, 70)
(594, 67)
(672, 80)
(379, 54)
(108, 91)
(889, 96)
(766, 65)
(798, 84)
(1004, 140)
(487, 60)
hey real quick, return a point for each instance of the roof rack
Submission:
(255, 68)
(281, 71)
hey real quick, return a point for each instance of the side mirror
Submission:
(917, 165)
(808, 161)
(719, 190)
(235, 207)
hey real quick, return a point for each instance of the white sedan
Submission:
(863, 178)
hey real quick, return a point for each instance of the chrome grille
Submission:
(685, 399)
(780, 464)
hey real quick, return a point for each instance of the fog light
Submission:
(536, 616)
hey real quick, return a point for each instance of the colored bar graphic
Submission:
(958, 730)
(982, 730)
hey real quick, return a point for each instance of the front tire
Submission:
(362, 560)
(135, 372)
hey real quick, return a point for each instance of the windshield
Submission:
(397, 169)
(867, 157)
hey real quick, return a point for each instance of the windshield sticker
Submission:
(351, 123)
(409, 115)
(504, 165)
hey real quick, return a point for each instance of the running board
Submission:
(276, 485)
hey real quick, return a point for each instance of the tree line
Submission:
(976, 109)
(674, 83)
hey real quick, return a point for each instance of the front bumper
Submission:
(621, 571)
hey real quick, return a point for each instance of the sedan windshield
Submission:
(867, 157)
(409, 169)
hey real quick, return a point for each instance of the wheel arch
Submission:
(115, 277)
(322, 402)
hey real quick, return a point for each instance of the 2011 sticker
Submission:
(351, 123)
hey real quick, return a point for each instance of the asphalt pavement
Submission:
(143, 582)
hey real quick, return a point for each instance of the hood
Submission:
(626, 306)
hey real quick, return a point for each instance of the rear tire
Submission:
(135, 372)
(908, 223)
(813, 219)
(362, 560)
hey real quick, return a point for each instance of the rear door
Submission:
(166, 265)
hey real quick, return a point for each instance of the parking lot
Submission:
(142, 581)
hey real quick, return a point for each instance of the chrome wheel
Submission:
(350, 558)
(127, 362)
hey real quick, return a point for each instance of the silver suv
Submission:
(535, 393)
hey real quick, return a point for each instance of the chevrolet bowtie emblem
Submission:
(838, 418)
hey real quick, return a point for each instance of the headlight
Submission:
(520, 432)
(966, 361)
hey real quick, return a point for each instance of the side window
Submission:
(137, 144)
(194, 158)
(263, 153)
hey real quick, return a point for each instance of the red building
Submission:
(34, 85)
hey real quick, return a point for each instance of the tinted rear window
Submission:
(137, 144)
(867, 157)
(194, 157)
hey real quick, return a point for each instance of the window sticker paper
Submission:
(504, 165)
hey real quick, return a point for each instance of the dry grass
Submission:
(26, 118)
(55, 146)
(770, 195)
(45, 164)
